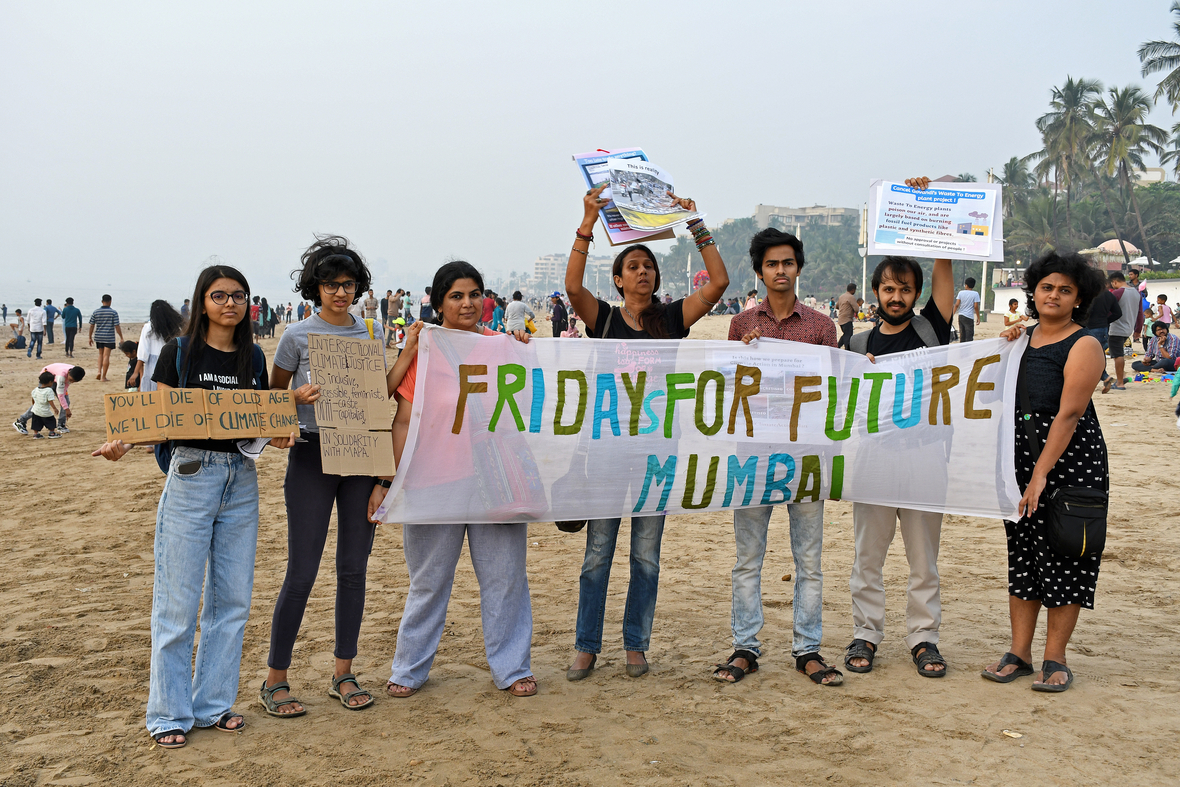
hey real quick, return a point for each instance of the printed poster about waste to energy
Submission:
(959, 221)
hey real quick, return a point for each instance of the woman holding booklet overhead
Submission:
(333, 276)
(432, 551)
(206, 523)
(642, 316)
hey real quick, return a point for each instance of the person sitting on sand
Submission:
(206, 524)
(1162, 350)
(1061, 366)
(432, 552)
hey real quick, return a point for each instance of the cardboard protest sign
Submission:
(197, 414)
(353, 409)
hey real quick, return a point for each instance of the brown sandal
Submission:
(391, 685)
(515, 691)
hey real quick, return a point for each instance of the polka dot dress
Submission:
(1035, 571)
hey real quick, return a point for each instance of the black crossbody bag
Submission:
(1075, 515)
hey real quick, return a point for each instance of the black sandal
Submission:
(929, 656)
(736, 672)
(226, 718)
(1050, 668)
(267, 698)
(1022, 668)
(160, 736)
(860, 649)
(818, 676)
(345, 697)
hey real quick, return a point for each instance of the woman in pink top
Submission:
(432, 551)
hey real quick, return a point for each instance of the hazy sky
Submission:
(138, 139)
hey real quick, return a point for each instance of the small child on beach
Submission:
(44, 407)
(131, 350)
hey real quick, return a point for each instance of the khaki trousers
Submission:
(873, 528)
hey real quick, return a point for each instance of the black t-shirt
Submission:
(886, 343)
(1104, 310)
(212, 370)
(619, 329)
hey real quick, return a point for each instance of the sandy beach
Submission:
(76, 589)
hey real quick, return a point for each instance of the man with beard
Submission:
(777, 258)
(897, 283)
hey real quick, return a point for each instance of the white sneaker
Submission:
(16, 425)
(62, 430)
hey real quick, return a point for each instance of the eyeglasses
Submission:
(221, 298)
(331, 287)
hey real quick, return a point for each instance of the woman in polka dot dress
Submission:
(1063, 365)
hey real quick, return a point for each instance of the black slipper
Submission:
(819, 675)
(160, 736)
(1048, 669)
(1022, 668)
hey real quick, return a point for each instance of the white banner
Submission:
(562, 429)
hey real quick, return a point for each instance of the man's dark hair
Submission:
(106, 299)
(898, 268)
(427, 290)
(77, 373)
(1073, 266)
(1155, 326)
(69, 301)
(326, 259)
(969, 282)
(851, 288)
(769, 238)
(1115, 277)
(36, 301)
(516, 296)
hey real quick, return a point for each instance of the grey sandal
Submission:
(266, 697)
(335, 692)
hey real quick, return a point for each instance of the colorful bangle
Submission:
(709, 242)
(694, 222)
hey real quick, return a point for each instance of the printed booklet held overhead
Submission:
(595, 168)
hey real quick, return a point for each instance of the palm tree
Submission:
(966, 177)
(1066, 129)
(1034, 228)
(1173, 151)
(1123, 137)
(1165, 56)
(1017, 180)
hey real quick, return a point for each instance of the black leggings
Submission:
(309, 494)
(70, 334)
(845, 336)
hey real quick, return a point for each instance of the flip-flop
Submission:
(226, 717)
(515, 692)
(1048, 669)
(159, 739)
(1022, 668)
(391, 684)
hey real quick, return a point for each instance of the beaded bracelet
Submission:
(709, 242)
(580, 236)
(580, 251)
(694, 222)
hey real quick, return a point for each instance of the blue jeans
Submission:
(640, 611)
(498, 556)
(206, 529)
(35, 338)
(807, 541)
(1102, 335)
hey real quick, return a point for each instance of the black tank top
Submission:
(1044, 374)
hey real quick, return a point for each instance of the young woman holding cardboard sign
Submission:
(206, 524)
(432, 551)
(333, 276)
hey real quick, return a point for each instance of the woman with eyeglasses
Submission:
(333, 276)
(206, 523)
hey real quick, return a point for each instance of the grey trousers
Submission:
(498, 555)
(873, 530)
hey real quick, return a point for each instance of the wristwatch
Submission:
(383, 483)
